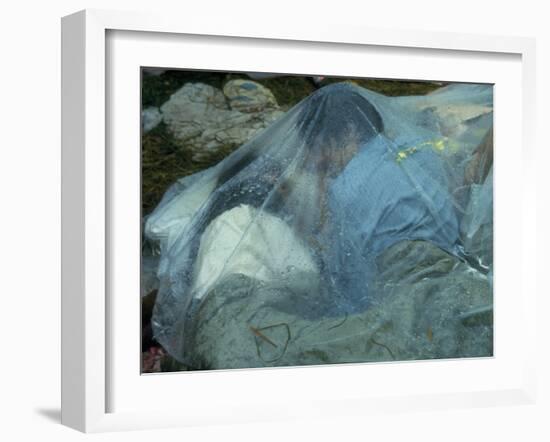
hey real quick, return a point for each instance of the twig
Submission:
(257, 332)
(261, 335)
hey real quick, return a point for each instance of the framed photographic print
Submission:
(273, 210)
(307, 220)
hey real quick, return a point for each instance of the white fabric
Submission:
(250, 242)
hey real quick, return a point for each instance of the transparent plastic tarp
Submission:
(357, 227)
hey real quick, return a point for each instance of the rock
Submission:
(191, 108)
(199, 116)
(150, 118)
(249, 96)
(431, 306)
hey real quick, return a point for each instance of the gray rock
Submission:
(150, 118)
(200, 117)
(249, 96)
(431, 305)
(193, 107)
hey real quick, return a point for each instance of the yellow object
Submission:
(438, 145)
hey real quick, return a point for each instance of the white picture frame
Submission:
(87, 207)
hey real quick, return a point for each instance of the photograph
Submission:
(303, 220)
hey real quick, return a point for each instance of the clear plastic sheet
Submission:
(298, 223)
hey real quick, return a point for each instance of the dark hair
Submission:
(336, 113)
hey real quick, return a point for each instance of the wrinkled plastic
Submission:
(306, 208)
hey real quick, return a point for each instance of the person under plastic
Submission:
(296, 218)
